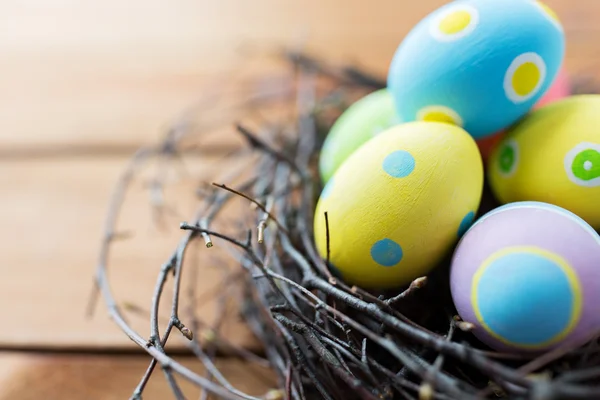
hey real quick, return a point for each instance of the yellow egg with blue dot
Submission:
(553, 156)
(363, 120)
(480, 64)
(399, 203)
(527, 275)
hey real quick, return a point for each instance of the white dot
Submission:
(434, 26)
(587, 165)
(430, 112)
(517, 62)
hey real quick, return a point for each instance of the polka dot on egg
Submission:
(399, 164)
(526, 297)
(582, 164)
(508, 158)
(454, 23)
(524, 77)
(386, 253)
(439, 114)
(466, 223)
(548, 12)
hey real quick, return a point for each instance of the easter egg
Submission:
(399, 203)
(553, 155)
(527, 275)
(363, 120)
(560, 89)
(480, 64)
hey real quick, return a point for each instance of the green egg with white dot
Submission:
(399, 203)
(362, 121)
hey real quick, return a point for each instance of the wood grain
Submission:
(52, 214)
(84, 377)
(82, 85)
(116, 73)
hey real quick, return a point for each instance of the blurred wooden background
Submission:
(82, 85)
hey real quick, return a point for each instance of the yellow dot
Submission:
(455, 22)
(548, 11)
(526, 78)
(438, 116)
(437, 113)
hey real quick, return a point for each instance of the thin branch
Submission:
(414, 286)
(262, 207)
(322, 338)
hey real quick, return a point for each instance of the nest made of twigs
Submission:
(322, 338)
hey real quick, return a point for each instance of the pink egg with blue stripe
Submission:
(527, 275)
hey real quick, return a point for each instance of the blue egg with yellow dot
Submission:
(527, 275)
(479, 64)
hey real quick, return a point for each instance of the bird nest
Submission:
(321, 337)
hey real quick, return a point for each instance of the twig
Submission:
(263, 208)
(414, 286)
(322, 338)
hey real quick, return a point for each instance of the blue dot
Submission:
(327, 189)
(466, 223)
(386, 252)
(399, 164)
(525, 298)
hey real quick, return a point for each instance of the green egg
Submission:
(362, 121)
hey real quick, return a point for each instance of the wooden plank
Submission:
(52, 214)
(84, 377)
(115, 74)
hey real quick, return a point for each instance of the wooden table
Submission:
(83, 85)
